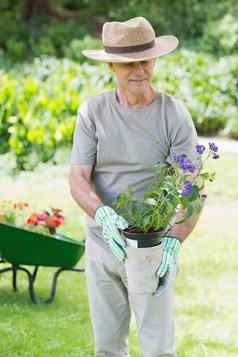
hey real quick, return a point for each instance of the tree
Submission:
(37, 7)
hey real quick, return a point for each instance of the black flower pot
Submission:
(149, 239)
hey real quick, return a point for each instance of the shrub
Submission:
(73, 50)
(198, 80)
(39, 101)
(221, 36)
(39, 104)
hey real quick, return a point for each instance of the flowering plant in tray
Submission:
(20, 215)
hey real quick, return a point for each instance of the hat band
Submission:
(129, 49)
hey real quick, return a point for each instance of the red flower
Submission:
(42, 217)
(32, 219)
(54, 221)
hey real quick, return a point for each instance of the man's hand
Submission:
(171, 246)
(110, 221)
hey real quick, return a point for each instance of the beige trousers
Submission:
(115, 288)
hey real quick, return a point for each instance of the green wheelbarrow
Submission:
(22, 247)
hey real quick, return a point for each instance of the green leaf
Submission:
(188, 214)
(205, 175)
(195, 193)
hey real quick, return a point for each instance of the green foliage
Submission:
(166, 197)
(16, 49)
(12, 32)
(191, 20)
(54, 38)
(206, 85)
(39, 101)
(73, 50)
(231, 129)
(21, 40)
(221, 36)
(38, 113)
(38, 106)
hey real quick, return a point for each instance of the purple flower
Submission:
(184, 163)
(200, 149)
(179, 158)
(187, 188)
(213, 147)
(189, 166)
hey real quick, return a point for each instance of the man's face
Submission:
(134, 76)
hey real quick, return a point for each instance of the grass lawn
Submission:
(206, 295)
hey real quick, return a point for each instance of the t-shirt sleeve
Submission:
(184, 138)
(84, 139)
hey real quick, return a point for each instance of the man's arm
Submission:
(80, 188)
(171, 246)
(81, 191)
(183, 230)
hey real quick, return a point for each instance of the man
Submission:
(119, 135)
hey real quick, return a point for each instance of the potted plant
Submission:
(177, 188)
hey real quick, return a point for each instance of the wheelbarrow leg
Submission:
(14, 277)
(55, 280)
(31, 285)
(54, 284)
(31, 279)
(5, 270)
(13, 268)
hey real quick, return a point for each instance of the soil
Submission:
(134, 230)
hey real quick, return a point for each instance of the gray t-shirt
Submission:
(123, 143)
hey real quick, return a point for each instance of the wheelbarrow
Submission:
(20, 247)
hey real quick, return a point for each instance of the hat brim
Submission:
(163, 46)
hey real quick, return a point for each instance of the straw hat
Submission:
(132, 40)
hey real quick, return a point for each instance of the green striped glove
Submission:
(171, 246)
(110, 221)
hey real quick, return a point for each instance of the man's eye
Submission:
(128, 64)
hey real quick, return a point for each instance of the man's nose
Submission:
(138, 68)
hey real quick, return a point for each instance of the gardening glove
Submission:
(170, 250)
(110, 221)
